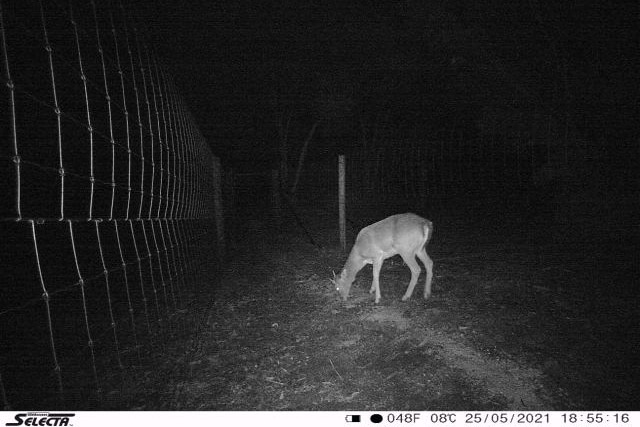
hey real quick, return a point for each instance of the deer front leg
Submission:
(375, 285)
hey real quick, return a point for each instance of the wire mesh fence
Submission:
(107, 189)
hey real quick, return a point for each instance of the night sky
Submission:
(430, 65)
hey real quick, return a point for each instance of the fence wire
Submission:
(108, 199)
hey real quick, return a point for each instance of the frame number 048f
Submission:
(413, 417)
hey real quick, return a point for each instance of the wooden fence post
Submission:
(341, 202)
(218, 208)
(275, 196)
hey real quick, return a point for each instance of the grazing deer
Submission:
(402, 234)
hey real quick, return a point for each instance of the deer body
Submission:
(402, 234)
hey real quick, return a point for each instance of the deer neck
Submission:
(354, 264)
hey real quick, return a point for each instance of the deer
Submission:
(404, 234)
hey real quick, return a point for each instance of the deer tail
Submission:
(428, 231)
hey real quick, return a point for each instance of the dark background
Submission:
(430, 65)
(513, 126)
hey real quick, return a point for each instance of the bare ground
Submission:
(511, 326)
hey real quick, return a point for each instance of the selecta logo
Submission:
(41, 419)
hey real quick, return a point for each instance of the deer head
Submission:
(342, 284)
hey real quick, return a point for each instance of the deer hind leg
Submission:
(375, 285)
(428, 264)
(411, 262)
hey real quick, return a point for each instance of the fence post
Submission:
(228, 191)
(275, 196)
(341, 202)
(217, 206)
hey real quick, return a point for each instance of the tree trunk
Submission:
(303, 154)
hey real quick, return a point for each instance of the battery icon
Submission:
(352, 418)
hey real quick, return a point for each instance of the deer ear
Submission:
(334, 278)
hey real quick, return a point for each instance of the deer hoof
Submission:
(426, 296)
(406, 297)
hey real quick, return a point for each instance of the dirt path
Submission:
(517, 321)
(275, 337)
(512, 325)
